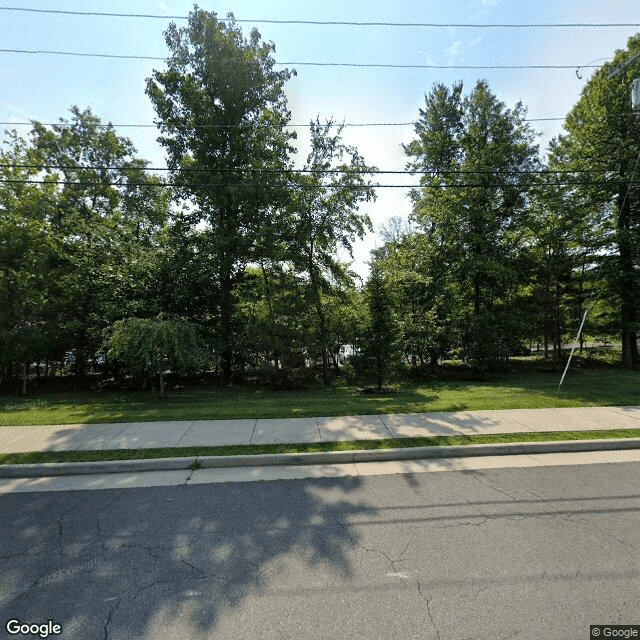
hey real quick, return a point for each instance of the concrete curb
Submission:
(329, 457)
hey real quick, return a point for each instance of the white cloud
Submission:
(454, 49)
(459, 47)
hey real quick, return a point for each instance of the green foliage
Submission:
(602, 142)
(381, 338)
(494, 255)
(475, 154)
(480, 150)
(417, 276)
(326, 218)
(78, 249)
(153, 346)
(485, 347)
(216, 76)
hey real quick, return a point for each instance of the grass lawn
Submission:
(34, 457)
(590, 387)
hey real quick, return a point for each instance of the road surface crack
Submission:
(108, 622)
(29, 588)
(392, 561)
(64, 515)
(193, 566)
(144, 587)
(429, 612)
(624, 543)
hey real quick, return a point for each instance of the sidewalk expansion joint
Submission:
(255, 422)
(185, 433)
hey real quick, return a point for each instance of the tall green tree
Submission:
(30, 290)
(326, 218)
(81, 219)
(564, 242)
(381, 341)
(416, 274)
(475, 156)
(105, 214)
(602, 147)
(222, 112)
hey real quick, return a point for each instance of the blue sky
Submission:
(43, 87)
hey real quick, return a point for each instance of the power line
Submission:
(293, 185)
(231, 126)
(356, 65)
(82, 54)
(540, 25)
(364, 171)
(291, 126)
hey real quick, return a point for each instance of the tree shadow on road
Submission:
(133, 563)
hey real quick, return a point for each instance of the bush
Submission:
(153, 346)
(287, 378)
(348, 372)
(485, 346)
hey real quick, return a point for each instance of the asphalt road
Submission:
(536, 553)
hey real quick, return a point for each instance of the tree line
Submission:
(231, 262)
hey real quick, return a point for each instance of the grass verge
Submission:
(516, 390)
(351, 445)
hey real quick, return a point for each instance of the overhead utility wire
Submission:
(539, 25)
(291, 126)
(371, 171)
(303, 186)
(375, 65)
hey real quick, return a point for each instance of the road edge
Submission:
(326, 457)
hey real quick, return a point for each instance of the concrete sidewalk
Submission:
(147, 435)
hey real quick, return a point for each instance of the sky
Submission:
(43, 87)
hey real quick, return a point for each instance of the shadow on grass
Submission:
(515, 390)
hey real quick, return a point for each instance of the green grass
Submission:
(598, 387)
(353, 445)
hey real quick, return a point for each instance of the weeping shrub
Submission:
(153, 346)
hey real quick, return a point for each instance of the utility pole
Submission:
(614, 71)
(635, 94)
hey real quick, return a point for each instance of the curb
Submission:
(328, 457)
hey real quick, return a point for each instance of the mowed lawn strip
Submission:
(514, 391)
(353, 445)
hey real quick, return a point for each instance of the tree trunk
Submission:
(476, 296)
(267, 286)
(626, 267)
(25, 369)
(625, 260)
(581, 299)
(226, 337)
(557, 347)
(81, 363)
(321, 317)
